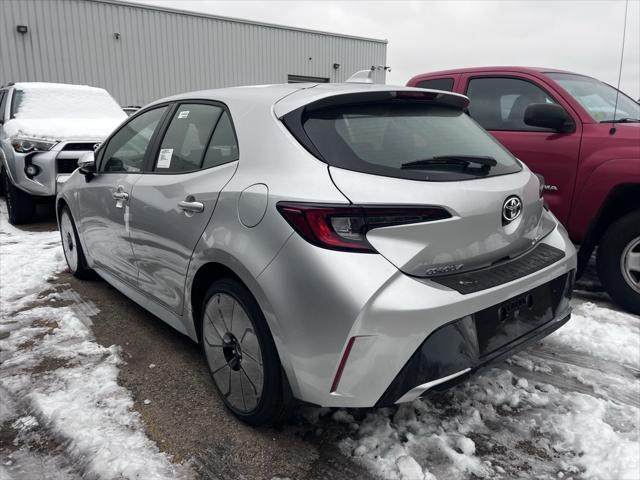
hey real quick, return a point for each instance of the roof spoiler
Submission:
(448, 99)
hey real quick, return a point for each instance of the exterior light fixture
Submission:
(22, 29)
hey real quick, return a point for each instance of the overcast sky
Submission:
(581, 36)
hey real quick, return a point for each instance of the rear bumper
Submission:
(321, 303)
(460, 348)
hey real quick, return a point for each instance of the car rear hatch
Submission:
(413, 148)
(474, 236)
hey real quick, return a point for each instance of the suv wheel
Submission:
(21, 207)
(618, 262)
(71, 247)
(240, 353)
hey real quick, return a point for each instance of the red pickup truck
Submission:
(561, 125)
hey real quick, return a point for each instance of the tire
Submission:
(73, 253)
(617, 262)
(240, 353)
(21, 207)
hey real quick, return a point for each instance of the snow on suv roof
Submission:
(61, 111)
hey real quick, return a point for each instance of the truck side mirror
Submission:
(549, 115)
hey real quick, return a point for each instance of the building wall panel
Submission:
(162, 52)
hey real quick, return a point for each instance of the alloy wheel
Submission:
(233, 352)
(69, 241)
(630, 264)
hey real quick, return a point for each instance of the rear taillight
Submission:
(344, 227)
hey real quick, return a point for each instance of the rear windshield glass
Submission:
(406, 140)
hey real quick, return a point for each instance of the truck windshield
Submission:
(63, 101)
(409, 140)
(598, 98)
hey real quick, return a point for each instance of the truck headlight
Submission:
(26, 145)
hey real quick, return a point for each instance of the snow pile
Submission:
(602, 333)
(60, 111)
(556, 417)
(53, 368)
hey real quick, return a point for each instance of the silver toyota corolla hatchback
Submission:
(343, 245)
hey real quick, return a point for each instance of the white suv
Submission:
(44, 129)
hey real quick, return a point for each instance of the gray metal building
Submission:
(140, 53)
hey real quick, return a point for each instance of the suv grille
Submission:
(67, 165)
(78, 147)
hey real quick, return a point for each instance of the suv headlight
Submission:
(26, 145)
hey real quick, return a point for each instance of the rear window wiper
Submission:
(463, 160)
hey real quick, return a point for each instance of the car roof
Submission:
(284, 98)
(503, 68)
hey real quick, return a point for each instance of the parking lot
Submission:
(93, 386)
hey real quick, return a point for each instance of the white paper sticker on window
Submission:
(183, 114)
(164, 159)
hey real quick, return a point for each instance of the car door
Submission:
(104, 201)
(498, 103)
(173, 203)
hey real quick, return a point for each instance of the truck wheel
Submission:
(21, 206)
(240, 353)
(71, 246)
(618, 262)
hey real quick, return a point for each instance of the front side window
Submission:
(500, 103)
(185, 143)
(598, 98)
(406, 140)
(126, 150)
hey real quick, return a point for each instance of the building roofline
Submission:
(179, 11)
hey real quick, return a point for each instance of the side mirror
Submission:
(549, 115)
(87, 165)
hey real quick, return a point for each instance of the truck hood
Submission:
(63, 128)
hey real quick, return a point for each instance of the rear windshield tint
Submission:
(382, 138)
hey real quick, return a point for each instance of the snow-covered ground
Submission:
(57, 382)
(568, 407)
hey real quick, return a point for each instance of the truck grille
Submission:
(67, 165)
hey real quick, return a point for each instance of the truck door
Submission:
(498, 103)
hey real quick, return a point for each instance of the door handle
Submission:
(190, 206)
(120, 194)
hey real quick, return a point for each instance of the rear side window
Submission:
(223, 147)
(185, 142)
(445, 84)
(406, 139)
(500, 103)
